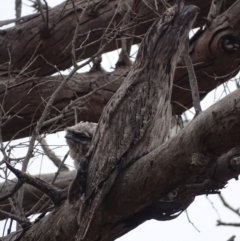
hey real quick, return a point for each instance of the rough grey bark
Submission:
(32, 194)
(222, 42)
(155, 177)
(50, 46)
(214, 54)
(137, 119)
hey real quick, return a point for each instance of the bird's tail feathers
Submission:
(86, 213)
(92, 203)
(78, 186)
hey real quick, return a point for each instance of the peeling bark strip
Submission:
(136, 120)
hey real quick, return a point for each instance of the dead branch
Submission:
(232, 238)
(228, 206)
(31, 194)
(55, 194)
(18, 8)
(220, 223)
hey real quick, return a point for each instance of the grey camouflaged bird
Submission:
(137, 118)
(79, 139)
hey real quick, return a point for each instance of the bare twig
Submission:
(55, 194)
(40, 7)
(50, 154)
(18, 9)
(192, 79)
(24, 222)
(14, 190)
(213, 206)
(42, 204)
(232, 238)
(236, 211)
(189, 220)
(60, 167)
(47, 14)
(220, 223)
(216, 9)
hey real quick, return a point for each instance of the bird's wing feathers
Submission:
(123, 124)
(123, 128)
(133, 109)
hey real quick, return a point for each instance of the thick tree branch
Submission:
(161, 171)
(35, 39)
(172, 166)
(215, 54)
(221, 120)
(55, 194)
(31, 194)
(179, 174)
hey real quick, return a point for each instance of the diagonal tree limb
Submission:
(13, 191)
(50, 154)
(31, 194)
(22, 221)
(217, 63)
(228, 206)
(162, 171)
(59, 17)
(55, 194)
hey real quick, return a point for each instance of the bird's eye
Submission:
(81, 136)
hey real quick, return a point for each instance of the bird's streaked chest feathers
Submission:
(138, 116)
(79, 139)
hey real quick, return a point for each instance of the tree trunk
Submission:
(33, 50)
(155, 177)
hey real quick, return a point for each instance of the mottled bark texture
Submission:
(152, 177)
(137, 119)
(214, 52)
(46, 47)
(33, 50)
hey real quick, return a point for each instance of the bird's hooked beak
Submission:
(68, 136)
(189, 13)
